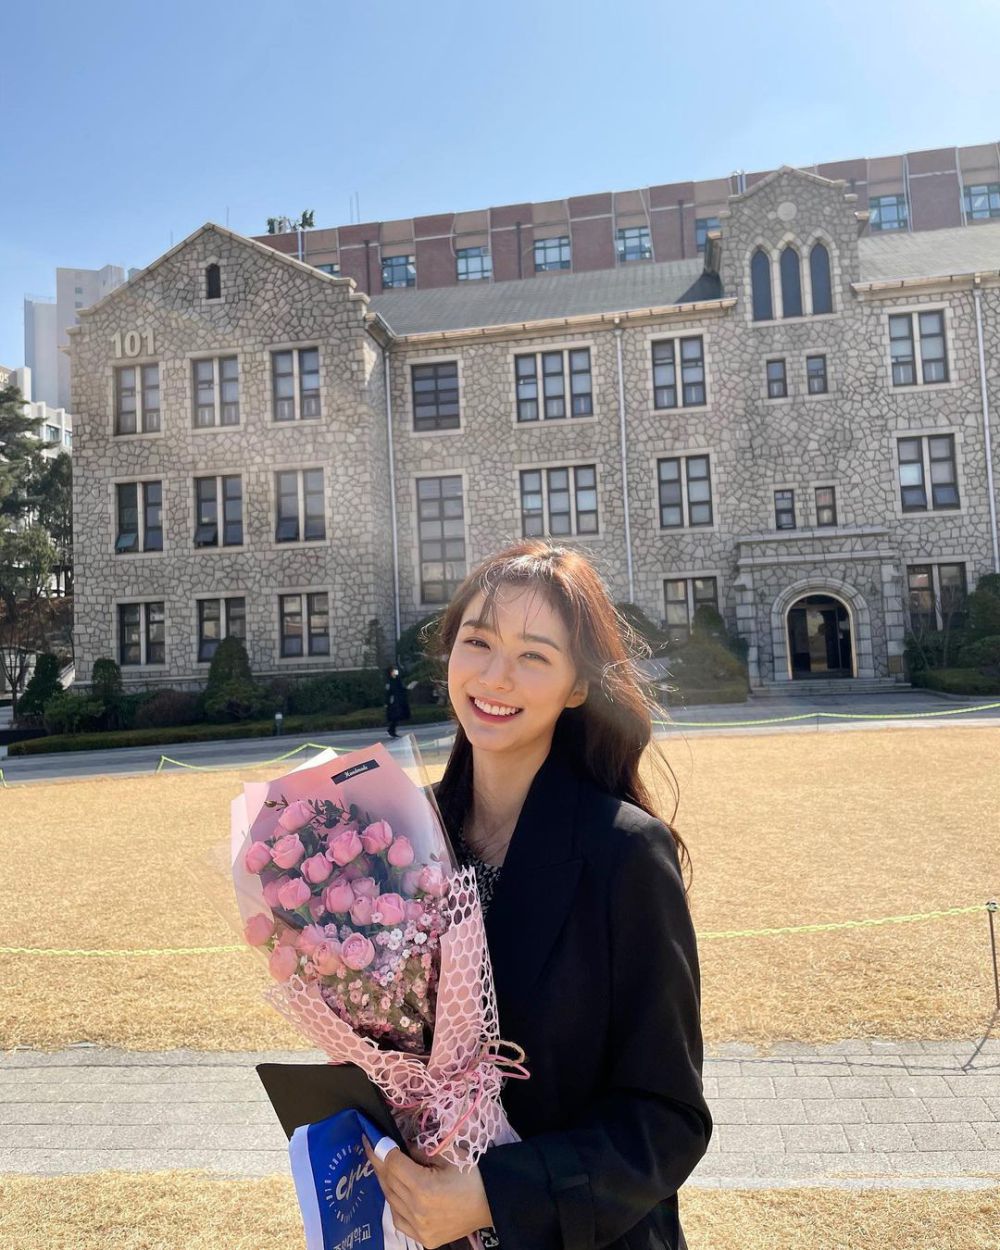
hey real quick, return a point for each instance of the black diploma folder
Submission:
(302, 1093)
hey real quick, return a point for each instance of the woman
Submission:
(593, 951)
(397, 705)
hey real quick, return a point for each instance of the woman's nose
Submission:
(497, 670)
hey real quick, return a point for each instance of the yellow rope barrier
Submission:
(207, 768)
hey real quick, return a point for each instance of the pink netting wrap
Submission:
(448, 1102)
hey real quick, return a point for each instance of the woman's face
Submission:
(509, 687)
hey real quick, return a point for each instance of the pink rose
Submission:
(272, 888)
(357, 952)
(294, 894)
(400, 854)
(432, 880)
(283, 962)
(339, 896)
(359, 868)
(316, 869)
(258, 929)
(414, 909)
(364, 887)
(389, 910)
(327, 960)
(258, 857)
(376, 837)
(345, 847)
(411, 881)
(288, 850)
(296, 816)
(361, 910)
(310, 937)
(316, 906)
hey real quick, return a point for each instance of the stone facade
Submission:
(845, 438)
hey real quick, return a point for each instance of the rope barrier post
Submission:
(991, 907)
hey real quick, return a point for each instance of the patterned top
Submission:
(487, 875)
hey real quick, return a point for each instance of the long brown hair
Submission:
(605, 736)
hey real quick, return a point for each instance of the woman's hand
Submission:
(431, 1201)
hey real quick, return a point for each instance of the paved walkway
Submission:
(848, 1115)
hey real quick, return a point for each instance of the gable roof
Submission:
(803, 174)
(930, 253)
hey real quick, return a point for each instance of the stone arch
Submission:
(858, 613)
(757, 275)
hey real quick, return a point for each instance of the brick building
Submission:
(792, 425)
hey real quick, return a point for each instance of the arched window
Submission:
(791, 283)
(213, 282)
(819, 273)
(760, 283)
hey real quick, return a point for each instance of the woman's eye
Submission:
(474, 642)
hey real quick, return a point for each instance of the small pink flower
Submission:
(432, 880)
(364, 887)
(377, 837)
(411, 881)
(283, 962)
(316, 869)
(344, 847)
(294, 894)
(338, 896)
(326, 959)
(258, 857)
(310, 937)
(296, 816)
(361, 910)
(390, 910)
(258, 929)
(317, 906)
(271, 890)
(357, 952)
(400, 854)
(288, 850)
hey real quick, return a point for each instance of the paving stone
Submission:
(835, 1110)
(773, 1111)
(919, 1086)
(989, 1133)
(898, 1110)
(928, 1137)
(732, 1110)
(945, 1109)
(859, 1087)
(802, 1087)
(737, 1138)
(814, 1138)
(745, 1087)
(883, 1138)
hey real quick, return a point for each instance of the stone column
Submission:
(746, 623)
(895, 618)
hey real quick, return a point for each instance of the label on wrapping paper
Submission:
(342, 1204)
(348, 773)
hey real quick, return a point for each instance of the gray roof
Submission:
(472, 304)
(928, 253)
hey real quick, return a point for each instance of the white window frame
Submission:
(677, 338)
(538, 351)
(950, 346)
(925, 436)
(193, 362)
(306, 656)
(222, 597)
(686, 526)
(138, 365)
(141, 529)
(300, 470)
(296, 349)
(217, 477)
(571, 466)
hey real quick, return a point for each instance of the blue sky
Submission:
(124, 126)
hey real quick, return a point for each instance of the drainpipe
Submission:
(621, 423)
(387, 374)
(988, 445)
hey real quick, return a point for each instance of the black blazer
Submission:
(597, 977)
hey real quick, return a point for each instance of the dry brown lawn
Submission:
(783, 829)
(191, 1211)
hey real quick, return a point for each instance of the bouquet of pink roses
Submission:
(375, 939)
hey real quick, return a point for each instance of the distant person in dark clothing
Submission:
(397, 704)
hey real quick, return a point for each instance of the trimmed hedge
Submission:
(732, 692)
(956, 681)
(363, 718)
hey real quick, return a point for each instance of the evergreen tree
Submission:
(20, 454)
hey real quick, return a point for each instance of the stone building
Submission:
(792, 426)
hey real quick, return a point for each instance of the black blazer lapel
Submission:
(540, 874)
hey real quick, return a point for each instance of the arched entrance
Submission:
(820, 638)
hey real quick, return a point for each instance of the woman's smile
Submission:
(489, 710)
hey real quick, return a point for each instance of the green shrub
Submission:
(640, 624)
(729, 692)
(957, 681)
(982, 612)
(167, 707)
(932, 648)
(708, 622)
(411, 649)
(705, 662)
(337, 693)
(68, 712)
(43, 685)
(106, 688)
(984, 654)
(239, 699)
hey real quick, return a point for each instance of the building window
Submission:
(784, 509)
(777, 380)
(933, 365)
(140, 517)
(331, 267)
(826, 505)
(218, 619)
(982, 201)
(922, 460)
(685, 491)
(816, 375)
(632, 243)
(702, 225)
(791, 283)
(692, 390)
(141, 633)
(441, 536)
(819, 277)
(435, 396)
(682, 597)
(300, 506)
(216, 392)
(305, 624)
(398, 271)
(552, 254)
(888, 212)
(563, 373)
(78, 290)
(213, 282)
(473, 264)
(215, 497)
(53, 434)
(295, 383)
(559, 502)
(937, 594)
(137, 399)
(760, 284)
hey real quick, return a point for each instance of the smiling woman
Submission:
(589, 933)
